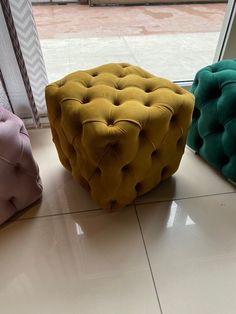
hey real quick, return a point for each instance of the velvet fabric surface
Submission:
(20, 184)
(119, 129)
(213, 130)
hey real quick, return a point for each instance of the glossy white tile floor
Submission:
(172, 252)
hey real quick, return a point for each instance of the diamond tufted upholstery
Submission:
(20, 183)
(118, 129)
(213, 130)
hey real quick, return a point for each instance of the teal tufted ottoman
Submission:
(213, 130)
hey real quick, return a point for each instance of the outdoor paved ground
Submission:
(173, 41)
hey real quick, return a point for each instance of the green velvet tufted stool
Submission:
(213, 130)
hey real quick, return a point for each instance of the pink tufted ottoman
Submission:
(20, 184)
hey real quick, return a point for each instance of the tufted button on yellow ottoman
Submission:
(118, 129)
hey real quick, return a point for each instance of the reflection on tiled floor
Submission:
(173, 41)
(171, 252)
(192, 252)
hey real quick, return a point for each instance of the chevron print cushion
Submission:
(118, 129)
(213, 131)
(20, 184)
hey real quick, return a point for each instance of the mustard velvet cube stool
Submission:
(119, 129)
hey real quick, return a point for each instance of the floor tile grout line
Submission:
(60, 214)
(148, 259)
(182, 198)
(135, 204)
(67, 213)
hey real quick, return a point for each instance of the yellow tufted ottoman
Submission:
(118, 129)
